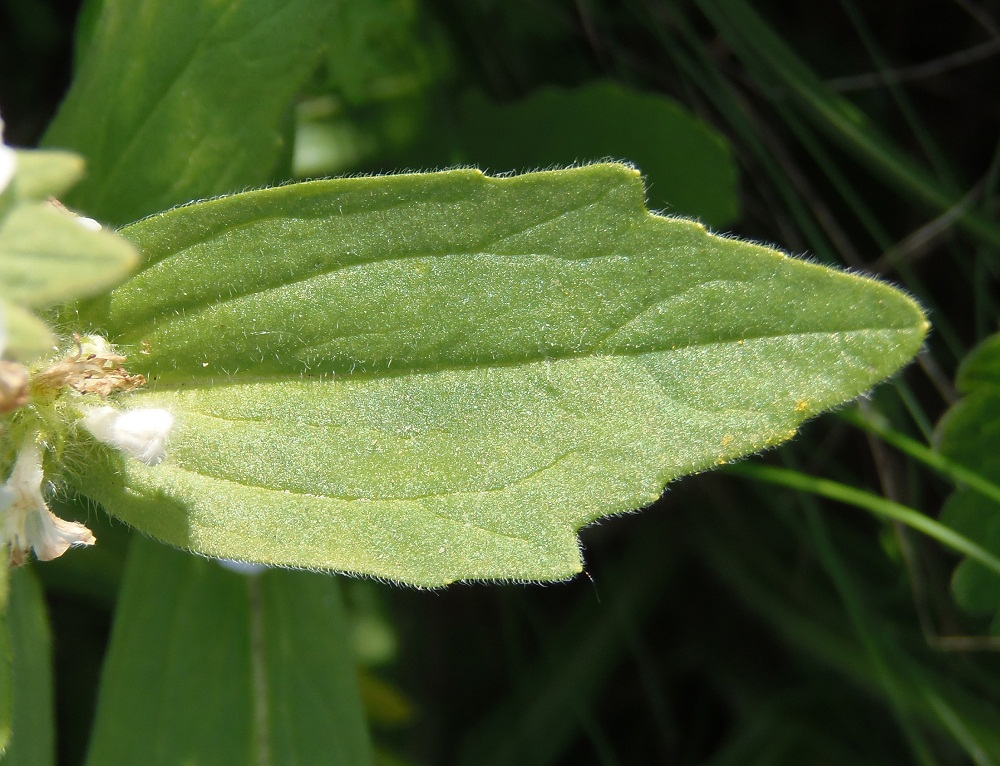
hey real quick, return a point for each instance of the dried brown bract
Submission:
(93, 369)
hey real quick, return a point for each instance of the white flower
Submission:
(8, 162)
(140, 433)
(28, 523)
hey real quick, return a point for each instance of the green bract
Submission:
(47, 254)
(443, 376)
(44, 174)
(28, 337)
(48, 257)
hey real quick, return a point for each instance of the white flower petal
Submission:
(26, 476)
(8, 162)
(28, 522)
(8, 165)
(140, 433)
(51, 536)
(24, 487)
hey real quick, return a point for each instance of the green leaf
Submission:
(375, 100)
(968, 435)
(377, 51)
(443, 376)
(211, 667)
(28, 337)
(47, 256)
(687, 165)
(42, 174)
(6, 681)
(180, 99)
(32, 740)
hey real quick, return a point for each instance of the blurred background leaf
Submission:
(32, 725)
(213, 666)
(969, 435)
(174, 101)
(686, 165)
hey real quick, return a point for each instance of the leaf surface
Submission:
(32, 728)
(182, 99)
(687, 165)
(41, 174)
(46, 256)
(443, 376)
(28, 337)
(234, 669)
(968, 435)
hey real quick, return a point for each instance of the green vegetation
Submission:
(433, 377)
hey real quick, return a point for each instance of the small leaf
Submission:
(44, 174)
(28, 337)
(968, 434)
(234, 669)
(46, 256)
(444, 376)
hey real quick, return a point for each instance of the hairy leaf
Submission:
(687, 165)
(443, 376)
(48, 255)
